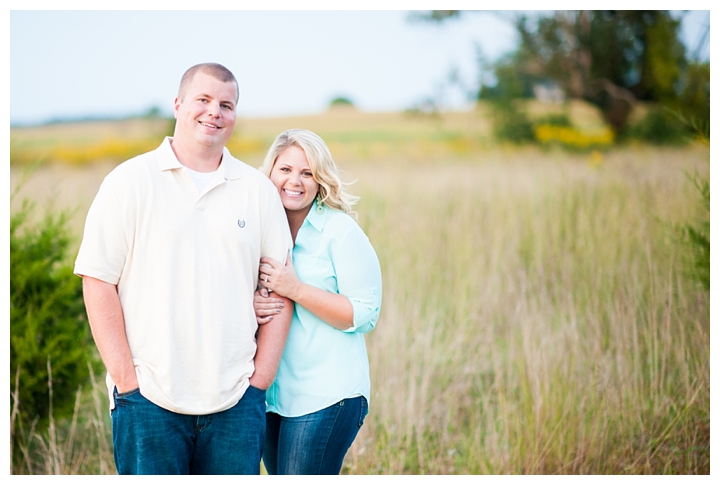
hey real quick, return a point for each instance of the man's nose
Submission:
(214, 109)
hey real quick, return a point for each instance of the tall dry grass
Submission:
(535, 318)
(80, 445)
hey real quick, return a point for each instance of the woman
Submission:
(320, 396)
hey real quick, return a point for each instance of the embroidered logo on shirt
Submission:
(241, 223)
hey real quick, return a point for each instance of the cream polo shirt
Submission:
(186, 266)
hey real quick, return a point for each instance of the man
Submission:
(169, 261)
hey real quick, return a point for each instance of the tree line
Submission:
(611, 59)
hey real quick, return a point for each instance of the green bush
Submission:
(554, 119)
(694, 100)
(697, 236)
(660, 127)
(341, 101)
(47, 317)
(510, 124)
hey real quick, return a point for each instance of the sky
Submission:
(84, 63)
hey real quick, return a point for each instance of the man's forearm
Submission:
(271, 339)
(108, 329)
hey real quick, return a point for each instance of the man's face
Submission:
(206, 114)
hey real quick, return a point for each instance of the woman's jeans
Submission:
(148, 439)
(313, 444)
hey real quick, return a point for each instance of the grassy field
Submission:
(537, 316)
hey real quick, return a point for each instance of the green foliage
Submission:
(512, 125)
(633, 49)
(554, 119)
(663, 58)
(434, 15)
(510, 121)
(659, 127)
(512, 83)
(694, 99)
(341, 101)
(607, 57)
(611, 58)
(697, 236)
(47, 316)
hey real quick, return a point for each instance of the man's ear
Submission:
(176, 107)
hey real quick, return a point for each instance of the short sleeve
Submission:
(357, 270)
(104, 246)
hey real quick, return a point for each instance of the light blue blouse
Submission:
(322, 365)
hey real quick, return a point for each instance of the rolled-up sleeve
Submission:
(359, 278)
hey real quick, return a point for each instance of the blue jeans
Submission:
(313, 444)
(150, 440)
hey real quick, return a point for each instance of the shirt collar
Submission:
(229, 168)
(315, 219)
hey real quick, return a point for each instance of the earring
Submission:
(319, 208)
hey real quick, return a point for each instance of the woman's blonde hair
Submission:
(331, 190)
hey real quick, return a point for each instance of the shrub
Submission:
(697, 236)
(659, 127)
(510, 124)
(694, 99)
(341, 101)
(554, 119)
(48, 325)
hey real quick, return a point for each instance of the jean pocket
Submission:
(126, 393)
(126, 398)
(255, 395)
(257, 389)
(363, 411)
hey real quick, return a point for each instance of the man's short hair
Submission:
(218, 71)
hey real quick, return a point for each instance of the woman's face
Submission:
(293, 178)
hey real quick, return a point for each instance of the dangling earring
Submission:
(319, 208)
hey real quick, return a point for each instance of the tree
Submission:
(342, 101)
(694, 100)
(611, 59)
